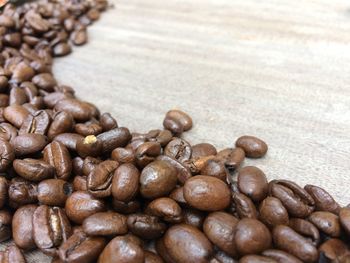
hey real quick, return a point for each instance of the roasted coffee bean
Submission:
(125, 183)
(220, 227)
(77, 164)
(290, 241)
(99, 181)
(272, 212)
(89, 165)
(334, 250)
(146, 226)
(173, 125)
(54, 192)
(344, 218)
(80, 183)
(163, 138)
(244, 206)
(181, 117)
(248, 230)
(86, 129)
(4, 100)
(166, 208)
(89, 146)
(62, 49)
(5, 225)
(178, 149)
(252, 146)
(118, 137)
(256, 259)
(123, 155)
(215, 168)
(124, 248)
(81, 248)
(207, 193)
(57, 155)
(107, 122)
(12, 255)
(51, 227)
(130, 207)
(151, 257)
(193, 217)
(16, 114)
(7, 155)
(79, 37)
(146, 153)
(105, 224)
(162, 251)
(37, 123)
(22, 228)
(78, 109)
(51, 99)
(33, 170)
(281, 256)
(185, 243)
(22, 72)
(323, 200)
(62, 123)
(3, 191)
(22, 192)
(7, 132)
(69, 140)
(178, 195)
(44, 81)
(29, 143)
(36, 21)
(253, 183)
(306, 229)
(222, 257)
(17, 96)
(183, 173)
(157, 179)
(202, 150)
(327, 222)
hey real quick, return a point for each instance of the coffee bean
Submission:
(193, 217)
(3, 191)
(220, 227)
(123, 155)
(78, 109)
(22, 192)
(173, 125)
(183, 173)
(39, 123)
(16, 114)
(81, 205)
(216, 169)
(37, 22)
(62, 49)
(118, 137)
(29, 143)
(146, 226)
(252, 182)
(323, 200)
(4, 100)
(12, 254)
(290, 241)
(5, 225)
(33, 170)
(54, 192)
(7, 155)
(81, 248)
(327, 222)
(163, 137)
(166, 208)
(178, 149)
(51, 227)
(281, 256)
(89, 146)
(146, 153)
(125, 183)
(272, 212)
(125, 249)
(89, 165)
(52, 98)
(306, 229)
(203, 149)
(222, 257)
(151, 257)
(79, 37)
(244, 206)
(178, 195)
(45, 81)
(22, 229)
(157, 179)
(69, 140)
(334, 250)
(17, 96)
(248, 230)
(252, 146)
(7, 132)
(105, 224)
(80, 183)
(206, 193)
(130, 207)
(107, 122)
(62, 123)
(57, 155)
(22, 72)
(77, 164)
(86, 129)
(185, 243)
(181, 117)
(344, 217)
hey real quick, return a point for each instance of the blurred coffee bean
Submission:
(12, 255)
(344, 217)
(7, 155)
(281, 256)
(5, 225)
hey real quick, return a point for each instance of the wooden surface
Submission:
(275, 69)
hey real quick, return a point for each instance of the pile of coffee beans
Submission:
(81, 189)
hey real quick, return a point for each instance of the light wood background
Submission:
(277, 69)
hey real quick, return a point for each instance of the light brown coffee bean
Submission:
(12, 255)
(183, 118)
(178, 149)
(16, 114)
(45, 81)
(63, 122)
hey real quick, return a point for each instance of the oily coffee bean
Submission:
(253, 183)
(29, 143)
(202, 150)
(7, 155)
(80, 183)
(86, 129)
(33, 170)
(17, 95)
(306, 229)
(12, 254)
(130, 207)
(207, 193)
(77, 164)
(16, 114)
(89, 165)
(54, 192)
(89, 146)
(272, 212)
(146, 226)
(22, 228)
(344, 218)
(118, 137)
(69, 140)
(323, 200)
(44, 81)
(5, 225)
(39, 123)
(193, 217)
(166, 208)
(105, 224)
(22, 192)
(3, 191)
(183, 173)
(125, 183)
(81, 205)
(157, 179)
(178, 149)
(252, 146)
(57, 155)
(256, 259)
(181, 117)
(173, 125)
(244, 206)
(327, 222)
(163, 137)
(151, 257)
(178, 195)
(51, 227)
(63, 122)
(281, 256)
(334, 250)
(81, 248)
(123, 155)
(78, 109)
(51, 99)
(146, 153)
(215, 168)
(107, 122)
(7, 132)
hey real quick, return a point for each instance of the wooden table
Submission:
(275, 69)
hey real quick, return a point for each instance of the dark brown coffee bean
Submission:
(183, 118)
(99, 181)
(78, 109)
(62, 123)
(294, 198)
(17, 96)
(306, 229)
(81, 205)
(130, 207)
(57, 155)
(22, 72)
(290, 241)
(124, 248)
(80, 248)
(51, 227)
(216, 169)
(334, 250)
(69, 140)
(86, 129)
(173, 125)
(151, 257)
(163, 138)
(157, 179)
(77, 164)
(12, 255)
(327, 222)
(193, 217)
(146, 226)
(16, 114)
(165, 208)
(7, 132)
(61, 49)
(80, 183)
(29, 143)
(256, 259)
(183, 173)
(146, 153)
(123, 155)
(33, 170)
(5, 225)
(118, 137)
(162, 251)
(54, 192)
(22, 192)
(107, 122)
(105, 224)
(39, 123)
(7, 155)
(89, 146)
(22, 230)
(253, 183)
(272, 212)
(244, 206)
(220, 227)
(323, 200)
(185, 243)
(344, 218)
(125, 183)
(252, 146)
(79, 37)
(248, 229)
(90, 164)
(178, 195)
(178, 149)
(202, 150)
(51, 99)
(222, 257)
(45, 81)
(207, 193)
(281, 256)
(3, 191)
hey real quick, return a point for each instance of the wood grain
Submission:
(275, 69)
